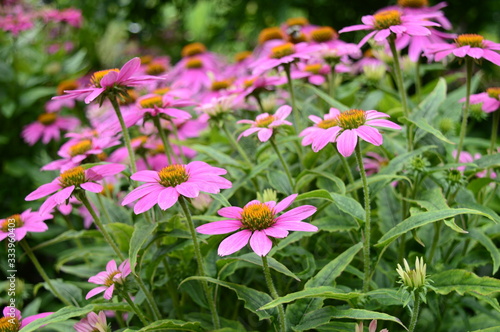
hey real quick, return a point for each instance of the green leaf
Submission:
(221, 199)
(215, 154)
(489, 245)
(67, 290)
(257, 260)
(319, 194)
(349, 206)
(422, 124)
(173, 324)
(324, 315)
(279, 181)
(143, 230)
(463, 282)
(488, 161)
(428, 108)
(334, 103)
(422, 219)
(336, 180)
(69, 235)
(484, 209)
(121, 233)
(253, 299)
(327, 292)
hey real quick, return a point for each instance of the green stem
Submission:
(402, 90)
(347, 170)
(331, 83)
(418, 82)
(164, 140)
(176, 135)
(235, 145)
(126, 136)
(136, 309)
(435, 241)
(77, 240)
(103, 208)
(41, 271)
(295, 111)
(274, 294)
(285, 166)
(414, 316)
(83, 198)
(494, 132)
(172, 290)
(367, 235)
(256, 95)
(199, 259)
(465, 116)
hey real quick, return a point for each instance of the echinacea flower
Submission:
(371, 328)
(12, 320)
(413, 278)
(255, 222)
(165, 187)
(109, 80)
(48, 127)
(472, 45)
(265, 123)
(344, 128)
(388, 22)
(71, 180)
(109, 278)
(92, 323)
(490, 99)
(20, 224)
(466, 157)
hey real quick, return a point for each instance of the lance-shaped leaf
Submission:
(463, 282)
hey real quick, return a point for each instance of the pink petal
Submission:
(370, 135)
(475, 52)
(108, 294)
(147, 202)
(140, 191)
(283, 112)
(167, 198)
(63, 195)
(44, 190)
(382, 35)
(146, 176)
(129, 68)
(93, 95)
(296, 226)
(95, 291)
(416, 30)
(276, 232)
(346, 142)
(461, 51)
(397, 29)
(355, 28)
(109, 79)
(220, 227)
(230, 212)
(30, 319)
(297, 214)
(383, 123)
(47, 206)
(234, 242)
(260, 243)
(286, 202)
(492, 56)
(93, 187)
(102, 171)
(265, 134)
(188, 189)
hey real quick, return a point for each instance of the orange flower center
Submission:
(66, 85)
(155, 68)
(109, 281)
(173, 175)
(47, 118)
(9, 324)
(11, 222)
(265, 122)
(161, 91)
(257, 216)
(128, 98)
(146, 59)
(142, 139)
(351, 119)
(413, 3)
(470, 39)
(297, 37)
(248, 83)
(193, 49)
(102, 156)
(72, 177)
(297, 21)
(315, 68)
(194, 63)
(221, 85)
(328, 123)
(240, 56)
(270, 34)
(80, 147)
(98, 75)
(323, 34)
(386, 19)
(281, 51)
(493, 92)
(151, 102)
(108, 190)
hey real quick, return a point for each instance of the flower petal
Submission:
(234, 242)
(93, 187)
(95, 291)
(167, 198)
(230, 212)
(346, 142)
(296, 226)
(297, 214)
(44, 190)
(370, 135)
(220, 227)
(286, 202)
(260, 243)
(276, 232)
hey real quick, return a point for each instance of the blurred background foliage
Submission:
(113, 31)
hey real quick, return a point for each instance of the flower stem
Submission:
(176, 135)
(199, 259)
(435, 241)
(402, 91)
(349, 174)
(274, 294)
(295, 111)
(465, 116)
(42, 273)
(366, 240)
(414, 316)
(164, 140)
(83, 198)
(331, 81)
(126, 136)
(235, 145)
(285, 166)
(418, 81)
(494, 131)
(136, 309)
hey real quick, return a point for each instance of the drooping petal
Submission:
(167, 198)
(265, 134)
(188, 189)
(93, 95)
(63, 195)
(140, 191)
(383, 123)
(233, 212)
(145, 176)
(95, 291)
(147, 202)
(108, 293)
(234, 242)
(220, 227)
(260, 243)
(346, 142)
(492, 56)
(370, 135)
(276, 232)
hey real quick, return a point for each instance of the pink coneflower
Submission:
(345, 128)
(418, 45)
(216, 107)
(116, 80)
(472, 45)
(389, 22)
(255, 222)
(490, 99)
(23, 223)
(69, 181)
(265, 123)
(374, 162)
(113, 275)
(192, 73)
(165, 187)
(315, 73)
(48, 127)
(466, 157)
(92, 323)
(12, 320)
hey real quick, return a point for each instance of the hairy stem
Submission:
(465, 115)
(274, 294)
(126, 136)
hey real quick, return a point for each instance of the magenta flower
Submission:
(165, 187)
(390, 22)
(466, 157)
(490, 99)
(92, 323)
(265, 123)
(110, 79)
(345, 128)
(23, 223)
(113, 275)
(472, 45)
(71, 180)
(48, 127)
(12, 320)
(255, 222)
(374, 162)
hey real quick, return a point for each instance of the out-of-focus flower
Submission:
(20, 224)
(490, 99)
(93, 323)
(472, 45)
(265, 123)
(466, 157)
(109, 278)
(255, 222)
(371, 328)
(48, 127)
(12, 320)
